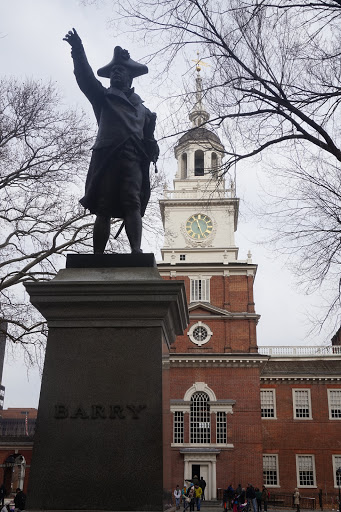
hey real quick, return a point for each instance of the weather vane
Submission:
(199, 62)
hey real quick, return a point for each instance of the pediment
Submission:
(204, 308)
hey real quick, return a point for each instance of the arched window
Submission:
(199, 163)
(14, 472)
(184, 166)
(200, 418)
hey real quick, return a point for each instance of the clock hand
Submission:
(199, 227)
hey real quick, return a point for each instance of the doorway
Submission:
(201, 471)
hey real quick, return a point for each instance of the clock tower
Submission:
(199, 215)
(214, 368)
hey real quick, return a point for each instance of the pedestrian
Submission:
(265, 498)
(239, 489)
(195, 480)
(297, 497)
(183, 495)
(177, 495)
(190, 498)
(251, 497)
(242, 496)
(20, 499)
(198, 493)
(259, 499)
(321, 499)
(203, 486)
(235, 502)
(225, 504)
(230, 494)
(2, 494)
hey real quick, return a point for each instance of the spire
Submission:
(198, 114)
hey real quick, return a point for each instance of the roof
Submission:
(199, 134)
(302, 367)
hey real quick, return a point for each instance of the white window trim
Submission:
(206, 340)
(294, 404)
(275, 408)
(329, 404)
(335, 466)
(298, 473)
(196, 278)
(277, 469)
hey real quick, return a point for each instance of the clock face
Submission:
(199, 226)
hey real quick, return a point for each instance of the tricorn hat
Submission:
(121, 57)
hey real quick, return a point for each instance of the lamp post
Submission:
(338, 480)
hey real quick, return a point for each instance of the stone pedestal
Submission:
(98, 442)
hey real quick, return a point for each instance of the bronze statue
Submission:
(117, 183)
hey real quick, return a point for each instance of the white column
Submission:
(190, 163)
(214, 480)
(186, 470)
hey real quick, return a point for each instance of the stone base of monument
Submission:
(98, 441)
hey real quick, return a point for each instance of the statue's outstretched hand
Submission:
(73, 39)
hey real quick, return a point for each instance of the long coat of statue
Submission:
(122, 121)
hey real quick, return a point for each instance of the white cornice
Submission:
(216, 360)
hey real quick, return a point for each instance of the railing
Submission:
(204, 193)
(286, 500)
(317, 351)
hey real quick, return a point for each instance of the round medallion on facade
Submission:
(199, 226)
(200, 333)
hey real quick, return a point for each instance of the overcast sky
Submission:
(31, 34)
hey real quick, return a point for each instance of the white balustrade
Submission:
(300, 350)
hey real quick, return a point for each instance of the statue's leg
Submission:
(133, 225)
(101, 233)
(131, 184)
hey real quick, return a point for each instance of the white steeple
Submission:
(198, 114)
(199, 215)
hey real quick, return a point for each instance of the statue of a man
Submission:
(117, 183)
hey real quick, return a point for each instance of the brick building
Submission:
(239, 413)
(16, 443)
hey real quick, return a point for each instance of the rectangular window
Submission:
(200, 290)
(334, 401)
(270, 470)
(305, 471)
(182, 257)
(178, 431)
(302, 403)
(268, 403)
(336, 467)
(221, 428)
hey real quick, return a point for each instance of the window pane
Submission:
(337, 465)
(200, 418)
(221, 427)
(267, 401)
(178, 434)
(270, 470)
(200, 290)
(335, 403)
(302, 404)
(305, 470)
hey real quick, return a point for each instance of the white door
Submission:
(204, 474)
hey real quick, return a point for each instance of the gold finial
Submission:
(199, 63)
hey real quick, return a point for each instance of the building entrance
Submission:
(203, 466)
